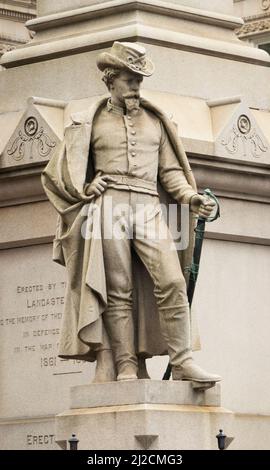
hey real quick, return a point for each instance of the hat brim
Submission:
(105, 60)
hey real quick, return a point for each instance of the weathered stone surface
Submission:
(148, 412)
(142, 391)
(28, 434)
(169, 24)
(48, 7)
(32, 300)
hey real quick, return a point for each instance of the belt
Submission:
(132, 181)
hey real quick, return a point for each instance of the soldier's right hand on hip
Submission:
(98, 185)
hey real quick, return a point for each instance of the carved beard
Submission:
(132, 101)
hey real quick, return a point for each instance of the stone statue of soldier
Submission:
(127, 291)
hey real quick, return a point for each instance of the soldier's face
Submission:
(126, 84)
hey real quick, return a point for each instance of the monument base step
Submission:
(143, 414)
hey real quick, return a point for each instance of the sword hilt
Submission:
(207, 192)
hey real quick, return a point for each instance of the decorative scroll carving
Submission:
(32, 137)
(6, 48)
(244, 139)
(254, 27)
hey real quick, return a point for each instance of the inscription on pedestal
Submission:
(40, 439)
(35, 381)
(36, 327)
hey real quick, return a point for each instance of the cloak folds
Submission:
(82, 331)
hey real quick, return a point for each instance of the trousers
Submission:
(134, 220)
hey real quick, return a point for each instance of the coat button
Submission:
(133, 132)
(133, 154)
(133, 142)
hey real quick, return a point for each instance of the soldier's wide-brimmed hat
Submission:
(126, 56)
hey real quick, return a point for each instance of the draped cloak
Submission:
(64, 178)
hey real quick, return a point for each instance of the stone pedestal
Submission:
(143, 414)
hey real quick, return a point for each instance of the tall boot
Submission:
(105, 370)
(175, 325)
(120, 328)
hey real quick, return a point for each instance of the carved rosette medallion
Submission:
(244, 124)
(31, 126)
(34, 140)
(244, 139)
(265, 4)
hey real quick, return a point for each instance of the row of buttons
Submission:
(133, 142)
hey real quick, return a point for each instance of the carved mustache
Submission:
(131, 94)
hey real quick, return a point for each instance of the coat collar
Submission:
(87, 116)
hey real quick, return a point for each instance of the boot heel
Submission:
(177, 373)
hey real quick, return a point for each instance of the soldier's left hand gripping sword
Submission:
(194, 270)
